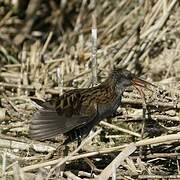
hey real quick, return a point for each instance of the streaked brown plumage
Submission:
(77, 111)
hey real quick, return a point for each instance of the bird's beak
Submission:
(142, 83)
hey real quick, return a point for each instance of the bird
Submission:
(77, 111)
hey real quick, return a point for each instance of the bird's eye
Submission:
(129, 76)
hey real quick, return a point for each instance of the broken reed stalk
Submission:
(94, 49)
(60, 76)
(22, 80)
(47, 43)
(126, 152)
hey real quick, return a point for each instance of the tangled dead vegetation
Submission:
(49, 47)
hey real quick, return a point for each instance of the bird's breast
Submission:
(107, 109)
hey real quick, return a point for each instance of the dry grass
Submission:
(46, 48)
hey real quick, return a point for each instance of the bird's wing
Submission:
(67, 112)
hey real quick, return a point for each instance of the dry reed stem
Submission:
(119, 129)
(107, 172)
(144, 142)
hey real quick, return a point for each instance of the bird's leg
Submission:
(75, 134)
(79, 141)
(78, 137)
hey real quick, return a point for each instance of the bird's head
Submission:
(124, 78)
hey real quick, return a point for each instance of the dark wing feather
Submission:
(68, 112)
(47, 123)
